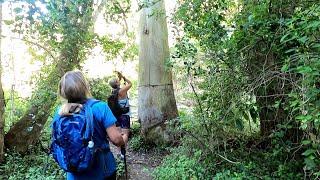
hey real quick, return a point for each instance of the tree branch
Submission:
(99, 9)
(200, 106)
(124, 17)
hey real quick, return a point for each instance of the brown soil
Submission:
(140, 164)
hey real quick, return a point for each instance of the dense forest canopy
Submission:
(246, 80)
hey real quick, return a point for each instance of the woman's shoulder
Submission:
(98, 104)
(99, 108)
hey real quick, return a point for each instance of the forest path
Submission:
(141, 163)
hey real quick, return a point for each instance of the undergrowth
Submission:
(36, 165)
(187, 163)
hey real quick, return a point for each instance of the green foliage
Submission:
(250, 163)
(179, 166)
(302, 59)
(63, 31)
(122, 46)
(36, 165)
(43, 167)
(250, 63)
(100, 88)
(116, 11)
(214, 72)
(14, 109)
(136, 142)
(120, 167)
(111, 47)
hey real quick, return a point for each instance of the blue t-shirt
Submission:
(104, 162)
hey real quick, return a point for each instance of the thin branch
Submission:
(99, 9)
(272, 95)
(200, 106)
(204, 145)
(124, 17)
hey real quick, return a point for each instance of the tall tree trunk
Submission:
(28, 129)
(156, 102)
(2, 103)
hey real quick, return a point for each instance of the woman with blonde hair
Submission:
(74, 89)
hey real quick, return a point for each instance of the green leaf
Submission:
(290, 50)
(284, 37)
(239, 124)
(8, 22)
(309, 152)
(290, 39)
(304, 117)
(317, 45)
(306, 142)
(303, 39)
(245, 116)
(315, 24)
(250, 18)
(285, 68)
(304, 69)
(310, 163)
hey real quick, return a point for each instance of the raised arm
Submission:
(123, 91)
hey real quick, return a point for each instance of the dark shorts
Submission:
(123, 121)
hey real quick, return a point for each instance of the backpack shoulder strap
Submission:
(89, 116)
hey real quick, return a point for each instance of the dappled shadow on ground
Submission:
(141, 163)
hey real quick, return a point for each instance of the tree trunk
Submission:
(28, 129)
(2, 103)
(156, 102)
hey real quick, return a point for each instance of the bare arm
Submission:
(115, 136)
(123, 91)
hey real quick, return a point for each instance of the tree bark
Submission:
(2, 103)
(28, 129)
(156, 101)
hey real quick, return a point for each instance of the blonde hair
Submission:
(74, 87)
(113, 82)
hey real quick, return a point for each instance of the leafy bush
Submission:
(136, 142)
(120, 167)
(37, 165)
(14, 109)
(100, 88)
(253, 68)
(180, 166)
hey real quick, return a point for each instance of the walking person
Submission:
(74, 89)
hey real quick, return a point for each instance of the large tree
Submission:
(2, 103)
(72, 21)
(156, 102)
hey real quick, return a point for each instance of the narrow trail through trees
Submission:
(140, 164)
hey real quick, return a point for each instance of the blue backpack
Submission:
(72, 144)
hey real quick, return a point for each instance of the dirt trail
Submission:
(140, 164)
